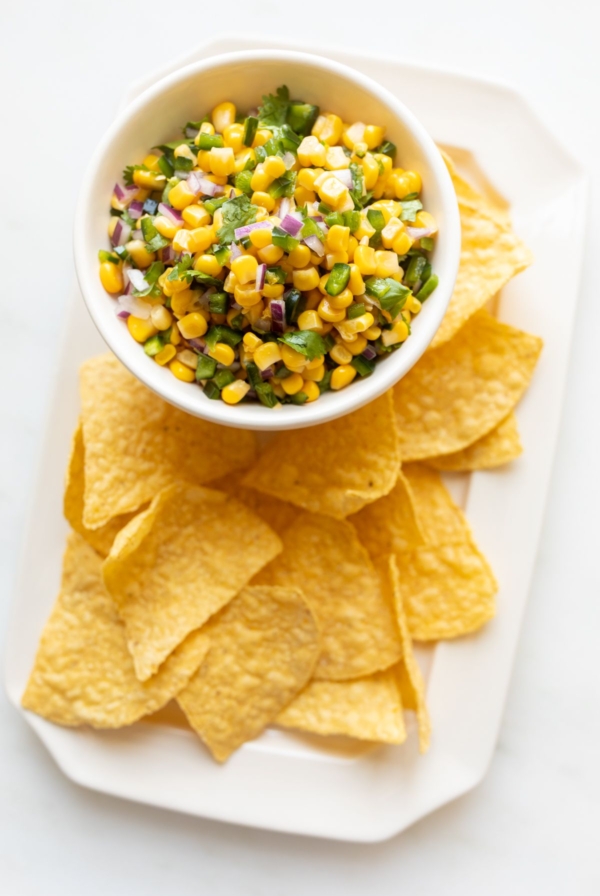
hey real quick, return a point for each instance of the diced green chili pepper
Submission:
(103, 255)
(428, 288)
(334, 218)
(301, 117)
(260, 153)
(414, 270)
(165, 166)
(250, 126)
(324, 208)
(217, 303)
(284, 240)
(153, 346)
(207, 141)
(355, 310)
(222, 254)
(266, 395)
(219, 333)
(282, 372)
(295, 304)
(387, 148)
(223, 378)
(325, 384)
(362, 366)
(299, 398)
(211, 205)
(212, 391)
(254, 377)
(148, 229)
(242, 182)
(338, 279)
(352, 220)
(376, 220)
(426, 243)
(275, 275)
(310, 228)
(426, 274)
(205, 368)
(238, 321)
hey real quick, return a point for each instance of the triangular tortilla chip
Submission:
(499, 447)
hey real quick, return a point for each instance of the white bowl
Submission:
(188, 94)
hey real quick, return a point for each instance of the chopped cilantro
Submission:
(284, 185)
(183, 271)
(151, 277)
(390, 294)
(128, 173)
(275, 108)
(307, 342)
(236, 213)
(410, 209)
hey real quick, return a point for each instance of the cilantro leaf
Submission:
(236, 213)
(307, 342)
(128, 173)
(274, 110)
(183, 271)
(151, 277)
(390, 294)
(410, 209)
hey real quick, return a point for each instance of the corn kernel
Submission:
(356, 284)
(370, 170)
(246, 295)
(222, 116)
(180, 196)
(372, 333)
(365, 228)
(189, 358)
(208, 264)
(264, 200)
(141, 329)
(266, 355)
(414, 181)
(262, 136)
(274, 291)
(161, 317)
(255, 312)
(260, 238)
(244, 267)
(175, 335)
(373, 135)
(139, 253)
(388, 207)
(340, 354)
(391, 232)
(424, 219)
(111, 277)
(402, 243)
(387, 263)
(398, 333)
(201, 238)
(336, 159)
(222, 353)
(309, 320)
(260, 180)
(192, 325)
(181, 371)
(329, 313)
(151, 162)
(292, 384)
(234, 392)
(306, 278)
(222, 160)
(354, 134)
(311, 390)
(385, 162)
(333, 192)
(195, 216)
(303, 196)
(274, 166)
(300, 256)
(182, 240)
(181, 301)
(311, 152)
(165, 355)
(343, 300)
(270, 254)
(352, 244)
(342, 376)
(149, 180)
(292, 359)
(315, 375)
(400, 184)
(233, 136)
(357, 346)
(251, 342)
(328, 128)
(307, 176)
(337, 238)
(364, 259)
(357, 324)
(242, 158)
(332, 258)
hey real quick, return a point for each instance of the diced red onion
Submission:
(136, 209)
(133, 305)
(251, 394)
(125, 195)
(264, 324)
(199, 184)
(277, 308)
(121, 233)
(266, 374)
(137, 235)
(168, 255)
(123, 315)
(417, 233)
(315, 245)
(291, 225)
(261, 273)
(317, 218)
(289, 160)
(137, 279)
(369, 353)
(345, 176)
(235, 251)
(197, 344)
(171, 213)
(247, 229)
(232, 193)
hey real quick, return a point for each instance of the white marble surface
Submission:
(532, 826)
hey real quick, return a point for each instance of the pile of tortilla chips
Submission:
(285, 586)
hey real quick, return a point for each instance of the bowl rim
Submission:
(251, 416)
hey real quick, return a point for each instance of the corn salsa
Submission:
(272, 255)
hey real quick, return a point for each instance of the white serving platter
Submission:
(337, 788)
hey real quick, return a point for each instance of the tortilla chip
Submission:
(390, 524)
(367, 708)
(136, 443)
(324, 558)
(410, 680)
(100, 539)
(179, 562)
(493, 203)
(500, 446)
(335, 468)
(83, 672)
(276, 514)
(447, 586)
(457, 393)
(491, 254)
(263, 648)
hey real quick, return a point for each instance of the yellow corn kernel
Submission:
(333, 192)
(246, 295)
(372, 333)
(111, 277)
(365, 228)
(365, 260)
(180, 196)
(244, 268)
(201, 238)
(165, 226)
(342, 376)
(233, 136)
(274, 166)
(222, 353)
(266, 355)
(357, 346)
(274, 291)
(370, 171)
(230, 283)
(300, 256)
(292, 359)
(311, 152)
(189, 358)
(264, 200)
(204, 160)
(385, 162)
(399, 183)
(193, 325)
(161, 317)
(309, 320)
(306, 278)
(184, 152)
(181, 371)
(311, 390)
(175, 335)
(313, 297)
(387, 263)
(354, 134)
(359, 324)
(270, 254)
(307, 176)
(251, 342)
(329, 313)
(413, 305)
(373, 135)
(316, 362)
(262, 136)
(170, 287)
(222, 161)
(402, 243)
(424, 219)
(255, 312)
(343, 300)
(302, 195)
(222, 116)
(389, 208)
(332, 258)
(208, 264)
(165, 355)
(337, 238)
(234, 392)
(336, 159)
(414, 181)
(149, 180)
(139, 253)
(195, 216)
(391, 232)
(292, 384)
(112, 226)
(260, 180)
(352, 244)
(242, 158)
(151, 162)
(356, 284)
(328, 128)
(141, 329)
(340, 354)
(260, 238)
(182, 240)
(398, 333)
(314, 375)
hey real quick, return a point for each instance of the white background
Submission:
(532, 826)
